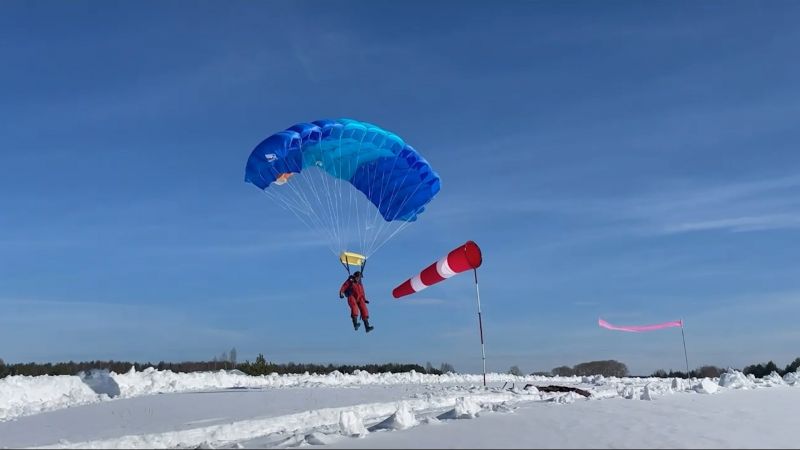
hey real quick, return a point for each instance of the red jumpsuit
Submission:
(355, 298)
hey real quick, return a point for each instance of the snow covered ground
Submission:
(161, 409)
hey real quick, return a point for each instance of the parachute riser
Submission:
(347, 268)
(352, 259)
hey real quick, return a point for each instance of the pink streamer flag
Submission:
(640, 328)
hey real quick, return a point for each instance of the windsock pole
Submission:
(480, 325)
(685, 355)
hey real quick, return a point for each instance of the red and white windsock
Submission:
(465, 257)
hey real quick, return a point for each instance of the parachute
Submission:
(355, 184)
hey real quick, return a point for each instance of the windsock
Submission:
(465, 257)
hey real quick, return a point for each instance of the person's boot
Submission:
(367, 326)
(356, 323)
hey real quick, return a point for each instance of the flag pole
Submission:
(684, 350)
(480, 325)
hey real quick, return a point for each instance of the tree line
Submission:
(757, 370)
(617, 369)
(227, 361)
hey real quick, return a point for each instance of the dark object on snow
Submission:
(553, 388)
(101, 382)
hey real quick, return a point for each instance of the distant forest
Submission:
(617, 369)
(227, 362)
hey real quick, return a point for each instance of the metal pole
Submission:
(684, 351)
(480, 325)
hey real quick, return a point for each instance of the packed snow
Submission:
(233, 410)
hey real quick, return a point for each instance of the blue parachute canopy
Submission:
(393, 176)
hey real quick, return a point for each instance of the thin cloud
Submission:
(424, 301)
(755, 205)
(740, 207)
(739, 224)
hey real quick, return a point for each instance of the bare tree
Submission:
(514, 370)
(563, 371)
(709, 372)
(232, 354)
(446, 367)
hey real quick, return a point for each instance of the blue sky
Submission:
(631, 160)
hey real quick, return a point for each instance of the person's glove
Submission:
(366, 301)
(341, 295)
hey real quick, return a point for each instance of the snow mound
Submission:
(648, 393)
(466, 408)
(430, 420)
(597, 380)
(773, 379)
(317, 438)
(792, 378)
(706, 386)
(502, 408)
(402, 418)
(679, 385)
(23, 395)
(733, 379)
(629, 392)
(565, 399)
(351, 424)
(152, 381)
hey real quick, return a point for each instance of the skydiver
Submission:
(354, 290)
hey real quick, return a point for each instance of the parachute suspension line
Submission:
(308, 179)
(330, 186)
(325, 212)
(380, 202)
(322, 218)
(311, 219)
(302, 199)
(373, 224)
(394, 192)
(288, 206)
(360, 224)
(363, 224)
(399, 228)
(328, 202)
(384, 225)
(302, 211)
(396, 231)
(340, 199)
(338, 193)
(402, 226)
(369, 227)
(347, 210)
(376, 212)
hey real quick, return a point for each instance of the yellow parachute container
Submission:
(352, 259)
